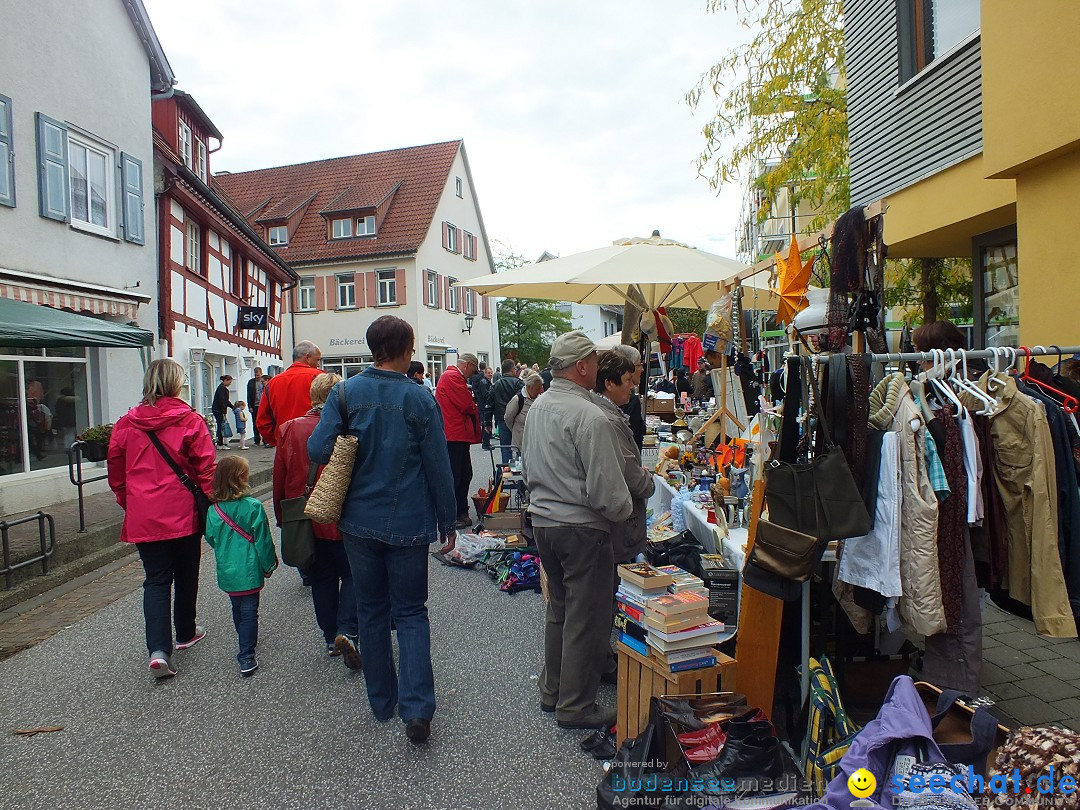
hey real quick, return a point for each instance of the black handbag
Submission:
(683, 550)
(297, 537)
(202, 500)
(627, 782)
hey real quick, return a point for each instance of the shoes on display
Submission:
(711, 734)
(200, 634)
(597, 719)
(418, 730)
(161, 665)
(347, 647)
(707, 704)
(695, 721)
(601, 744)
(752, 757)
(249, 669)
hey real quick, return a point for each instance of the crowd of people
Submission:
(576, 425)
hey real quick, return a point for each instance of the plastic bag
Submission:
(470, 548)
(718, 330)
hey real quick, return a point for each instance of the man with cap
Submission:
(700, 382)
(461, 423)
(577, 491)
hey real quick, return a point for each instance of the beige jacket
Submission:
(628, 538)
(516, 411)
(921, 609)
(1024, 474)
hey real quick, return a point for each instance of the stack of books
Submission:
(665, 614)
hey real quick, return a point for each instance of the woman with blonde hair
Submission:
(161, 515)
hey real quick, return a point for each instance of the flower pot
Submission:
(478, 503)
(95, 450)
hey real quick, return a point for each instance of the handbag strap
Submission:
(229, 522)
(192, 487)
(822, 421)
(343, 407)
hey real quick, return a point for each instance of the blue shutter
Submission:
(53, 195)
(7, 155)
(131, 180)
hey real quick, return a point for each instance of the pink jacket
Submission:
(157, 505)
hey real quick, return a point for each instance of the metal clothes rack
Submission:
(1003, 352)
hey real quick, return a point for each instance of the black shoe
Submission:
(347, 648)
(547, 707)
(247, 670)
(610, 677)
(598, 719)
(749, 758)
(418, 730)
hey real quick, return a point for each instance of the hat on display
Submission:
(569, 348)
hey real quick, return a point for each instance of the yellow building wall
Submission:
(1046, 234)
(1030, 72)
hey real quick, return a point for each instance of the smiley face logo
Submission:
(861, 783)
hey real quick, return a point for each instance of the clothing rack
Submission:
(1004, 352)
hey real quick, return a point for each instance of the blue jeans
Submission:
(245, 616)
(393, 581)
(172, 573)
(504, 439)
(332, 591)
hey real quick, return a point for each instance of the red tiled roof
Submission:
(283, 208)
(421, 170)
(355, 198)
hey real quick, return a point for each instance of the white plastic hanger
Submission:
(964, 384)
(938, 381)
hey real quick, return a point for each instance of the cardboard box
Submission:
(503, 521)
(660, 406)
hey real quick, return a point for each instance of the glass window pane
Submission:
(96, 168)
(3, 118)
(66, 351)
(953, 20)
(79, 191)
(57, 410)
(1001, 295)
(10, 418)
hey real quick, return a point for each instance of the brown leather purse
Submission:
(785, 552)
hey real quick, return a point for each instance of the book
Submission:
(644, 576)
(632, 599)
(704, 629)
(624, 624)
(635, 612)
(683, 580)
(663, 646)
(653, 622)
(640, 647)
(674, 604)
(676, 656)
(703, 662)
(642, 593)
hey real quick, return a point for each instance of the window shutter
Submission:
(438, 291)
(131, 176)
(458, 246)
(399, 277)
(446, 235)
(372, 285)
(320, 293)
(54, 197)
(7, 155)
(485, 306)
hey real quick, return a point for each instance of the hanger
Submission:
(1068, 402)
(964, 384)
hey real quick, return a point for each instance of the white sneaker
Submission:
(161, 665)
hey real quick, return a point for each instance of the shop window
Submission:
(435, 365)
(928, 29)
(997, 289)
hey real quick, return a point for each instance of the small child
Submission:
(241, 418)
(239, 532)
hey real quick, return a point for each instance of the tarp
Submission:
(32, 326)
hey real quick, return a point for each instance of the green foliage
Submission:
(779, 98)
(940, 288)
(97, 433)
(687, 320)
(527, 327)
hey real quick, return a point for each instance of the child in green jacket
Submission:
(239, 532)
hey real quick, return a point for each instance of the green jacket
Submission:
(241, 566)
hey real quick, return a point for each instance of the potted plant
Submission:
(96, 442)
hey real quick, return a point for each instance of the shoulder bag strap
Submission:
(343, 406)
(229, 522)
(313, 470)
(820, 411)
(183, 476)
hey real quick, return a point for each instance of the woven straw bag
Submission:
(326, 499)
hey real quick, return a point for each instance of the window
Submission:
(451, 237)
(185, 145)
(341, 228)
(365, 226)
(452, 301)
(278, 235)
(193, 247)
(91, 178)
(346, 290)
(432, 289)
(200, 160)
(435, 365)
(386, 281)
(482, 357)
(468, 244)
(347, 366)
(7, 156)
(307, 294)
(457, 187)
(928, 29)
(470, 309)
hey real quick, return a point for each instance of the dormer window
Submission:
(341, 228)
(200, 160)
(277, 235)
(185, 144)
(365, 226)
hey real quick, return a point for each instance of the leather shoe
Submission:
(710, 734)
(597, 719)
(752, 757)
(610, 677)
(547, 707)
(418, 730)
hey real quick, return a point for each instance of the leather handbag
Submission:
(820, 498)
(328, 496)
(297, 537)
(785, 552)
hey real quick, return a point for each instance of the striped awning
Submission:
(73, 298)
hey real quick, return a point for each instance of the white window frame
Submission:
(346, 284)
(343, 225)
(386, 288)
(193, 247)
(306, 298)
(200, 160)
(458, 187)
(109, 154)
(454, 299)
(185, 144)
(468, 246)
(451, 238)
(277, 235)
(468, 302)
(365, 226)
(432, 282)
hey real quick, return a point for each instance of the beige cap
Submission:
(569, 348)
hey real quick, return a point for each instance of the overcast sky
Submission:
(572, 111)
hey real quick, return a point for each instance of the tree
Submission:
(687, 320)
(922, 289)
(781, 97)
(527, 327)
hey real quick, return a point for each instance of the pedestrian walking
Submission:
(577, 493)
(160, 513)
(518, 407)
(400, 500)
(221, 407)
(502, 391)
(255, 388)
(288, 395)
(332, 592)
(241, 418)
(239, 533)
(461, 424)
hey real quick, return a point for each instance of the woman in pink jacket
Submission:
(161, 517)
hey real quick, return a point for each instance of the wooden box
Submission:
(641, 679)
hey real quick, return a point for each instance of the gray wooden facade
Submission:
(899, 138)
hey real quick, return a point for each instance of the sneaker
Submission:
(200, 634)
(161, 665)
(347, 648)
(247, 670)
(332, 650)
(418, 730)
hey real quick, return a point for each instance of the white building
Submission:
(76, 214)
(596, 320)
(386, 232)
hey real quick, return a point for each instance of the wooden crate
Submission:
(641, 679)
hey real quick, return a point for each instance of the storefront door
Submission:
(996, 294)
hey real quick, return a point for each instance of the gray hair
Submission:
(304, 349)
(632, 354)
(534, 381)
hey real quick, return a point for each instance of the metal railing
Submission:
(75, 473)
(47, 549)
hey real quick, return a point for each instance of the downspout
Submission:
(162, 96)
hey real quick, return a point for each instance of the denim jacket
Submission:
(402, 491)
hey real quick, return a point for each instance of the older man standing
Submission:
(288, 395)
(504, 389)
(701, 382)
(255, 388)
(461, 424)
(577, 492)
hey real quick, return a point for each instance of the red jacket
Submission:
(156, 505)
(461, 420)
(285, 397)
(291, 468)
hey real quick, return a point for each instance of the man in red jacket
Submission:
(288, 395)
(461, 423)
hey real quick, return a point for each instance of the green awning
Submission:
(31, 326)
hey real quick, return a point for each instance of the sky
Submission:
(572, 113)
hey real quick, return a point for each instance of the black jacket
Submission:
(481, 386)
(637, 421)
(500, 394)
(221, 403)
(252, 398)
